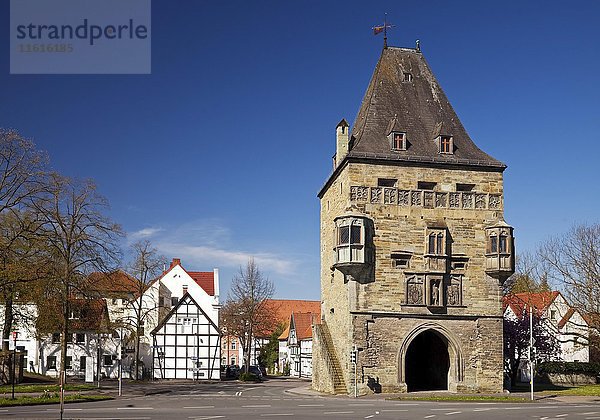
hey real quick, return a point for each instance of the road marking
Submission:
(483, 409)
(135, 408)
(238, 394)
(257, 406)
(361, 404)
(392, 410)
(199, 407)
(276, 414)
(303, 405)
(338, 412)
(368, 417)
(453, 412)
(206, 417)
(561, 415)
(430, 416)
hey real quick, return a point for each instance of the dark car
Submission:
(255, 370)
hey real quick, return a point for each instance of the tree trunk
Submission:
(64, 343)
(8, 319)
(137, 352)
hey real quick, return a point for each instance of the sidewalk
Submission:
(539, 398)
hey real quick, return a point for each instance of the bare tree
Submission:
(573, 260)
(531, 276)
(146, 265)
(79, 239)
(21, 174)
(247, 314)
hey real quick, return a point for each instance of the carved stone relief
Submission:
(414, 290)
(415, 198)
(454, 291)
(359, 193)
(375, 195)
(467, 200)
(440, 199)
(454, 200)
(403, 197)
(479, 201)
(494, 201)
(389, 196)
(428, 199)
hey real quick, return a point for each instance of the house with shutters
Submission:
(414, 246)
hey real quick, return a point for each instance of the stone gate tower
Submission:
(414, 246)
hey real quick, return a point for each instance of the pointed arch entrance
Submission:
(430, 359)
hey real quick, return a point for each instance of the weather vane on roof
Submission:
(383, 28)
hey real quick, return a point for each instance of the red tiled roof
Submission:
(518, 302)
(284, 307)
(115, 283)
(204, 279)
(303, 322)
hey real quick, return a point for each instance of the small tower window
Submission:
(436, 242)
(398, 141)
(408, 77)
(446, 145)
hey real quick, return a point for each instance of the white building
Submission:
(176, 334)
(295, 344)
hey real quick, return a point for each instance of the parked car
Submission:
(255, 370)
(230, 371)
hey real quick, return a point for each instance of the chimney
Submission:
(176, 261)
(342, 136)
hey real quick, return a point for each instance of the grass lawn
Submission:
(584, 390)
(7, 389)
(484, 398)
(51, 399)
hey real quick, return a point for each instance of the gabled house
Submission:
(161, 303)
(92, 345)
(295, 344)
(567, 324)
(186, 343)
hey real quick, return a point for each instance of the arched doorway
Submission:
(427, 362)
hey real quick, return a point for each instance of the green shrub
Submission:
(249, 377)
(569, 367)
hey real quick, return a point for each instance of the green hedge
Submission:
(249, 377)
(569, 367)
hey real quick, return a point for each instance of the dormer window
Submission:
(398, 140)
(446, 144)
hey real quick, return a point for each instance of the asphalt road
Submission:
(273, 400)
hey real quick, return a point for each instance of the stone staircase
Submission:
(333, 364)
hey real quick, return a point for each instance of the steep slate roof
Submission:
(418, 107)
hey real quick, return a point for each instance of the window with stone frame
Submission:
(108, 360)
(55, 338)
(436, 242)
(80, 338)
(69, 362)
(446, 144)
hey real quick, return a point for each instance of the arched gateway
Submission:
(430, 359)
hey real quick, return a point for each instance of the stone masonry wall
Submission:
(475, 323)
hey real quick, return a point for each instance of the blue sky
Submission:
(219, 153)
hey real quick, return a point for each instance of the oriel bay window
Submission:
(499, 250)
(353, 246)
(350, 245)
